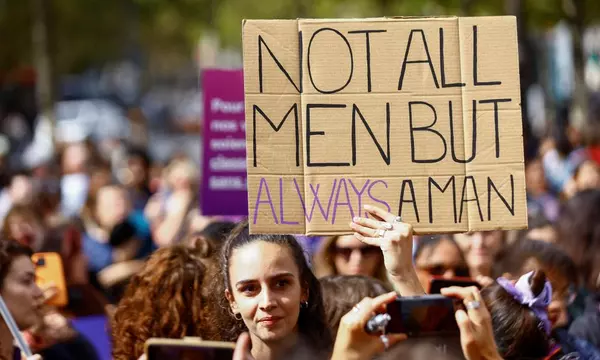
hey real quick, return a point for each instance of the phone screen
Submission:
(189, 352)
(431, 315)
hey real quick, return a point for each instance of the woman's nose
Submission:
(355, 256)
(267, 300)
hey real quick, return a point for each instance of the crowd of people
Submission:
(136, 249)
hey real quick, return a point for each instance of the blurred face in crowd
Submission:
(588, 176)
(21, 294)
(352, 257)
(480, 249)
(546, 234)
(112, 206)
(26, 230)
(75, 158)
(443, 259)
(534, 177)
(266, 290)
(181, 175)
(137, 170)
(21, 190)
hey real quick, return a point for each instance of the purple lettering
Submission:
(259, 201)
(281, 211)
(316, 201)
(347, 203)
(359, 193)
(389, 209)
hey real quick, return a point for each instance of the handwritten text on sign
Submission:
(419, 116)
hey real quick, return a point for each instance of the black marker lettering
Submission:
(474, 139)
(475, 67)
(412, 200)
(427, 128)
(465, 200)
(257, 109)
(310, 133)
(496, 125)
(431, 182)
(511, 207)
(308, 62)
(443, 66)
(421, 61)
(262, 42)
(368, 51)
(384, 155)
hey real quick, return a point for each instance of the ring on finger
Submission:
(356, 308)
(385, 340)
(473, 305)
(398, 219)
(381, 232)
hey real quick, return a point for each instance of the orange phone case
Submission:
(49, 270)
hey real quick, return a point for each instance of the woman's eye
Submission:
(248, 289)
(282, 283)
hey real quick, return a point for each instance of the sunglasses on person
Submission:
(440, 269)
(365, 251)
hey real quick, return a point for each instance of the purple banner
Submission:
(224, 190)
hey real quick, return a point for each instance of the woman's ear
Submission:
(231, 300)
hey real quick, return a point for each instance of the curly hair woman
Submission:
(164, 300)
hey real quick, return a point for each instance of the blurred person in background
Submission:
(481, 249)
(539, 199)
(75, 161)
(166, 299)
(113, 232)
(136, 176)
(587, 176)
(579, 231)
(20, 191)
(342, 292)
(540, 228)
(439, 255)
(528, 255)
(346, 255)
(169, 209)
(25, 225)
(212, 237)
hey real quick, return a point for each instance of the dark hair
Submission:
(311, 322)
(433, 241)
(553, 261)
(579, 234)
(217, 232)
(518, 332)
(9, 251)
(341, 293)
(139, 152)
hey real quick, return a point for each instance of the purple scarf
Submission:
(522, 293)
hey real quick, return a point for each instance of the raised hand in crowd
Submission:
(352, 341)
(387, 231)
(475, 324)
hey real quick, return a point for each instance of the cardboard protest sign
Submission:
(420, 116)
(223, 190)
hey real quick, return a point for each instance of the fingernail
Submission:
(389, 226)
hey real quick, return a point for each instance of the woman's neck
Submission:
(272, 350)
(6, 342)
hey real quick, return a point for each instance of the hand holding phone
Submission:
(421, 316)
(476, 332)
(50, 277)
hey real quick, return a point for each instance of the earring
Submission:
(304, 305)
(237, 316)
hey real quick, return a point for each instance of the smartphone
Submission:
(438, 283)
(181, 349)
(423, 316)
(49, 270)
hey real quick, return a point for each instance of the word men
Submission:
(419, 116)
